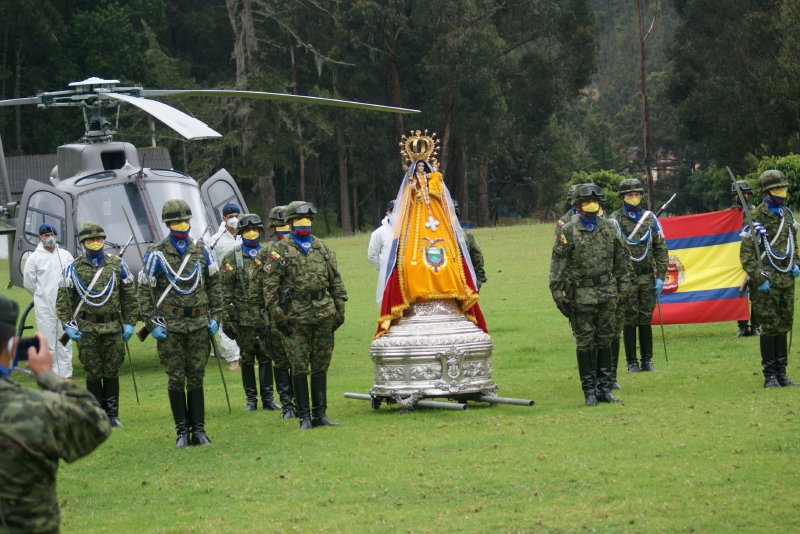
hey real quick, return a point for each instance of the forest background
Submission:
(526, 96)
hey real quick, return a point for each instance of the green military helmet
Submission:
(630, 185)
(771, 179)
(9, 311)
(276, 216)
(89, 230)
(298, 209)
(175, 210)
(249, 220)
(587, 192)
(744, 186)
(573, 189)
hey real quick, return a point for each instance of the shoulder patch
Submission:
(228, 267)
(274, 256)
(560, 223)
(562, 239)
(258, 263)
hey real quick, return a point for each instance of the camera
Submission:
(23, 345)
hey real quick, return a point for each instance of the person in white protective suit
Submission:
(380, 243)
(221, 243)
(44, 269)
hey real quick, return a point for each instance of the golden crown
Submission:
(419, 146)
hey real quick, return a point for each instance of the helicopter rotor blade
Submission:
(21, 101)
(260, 95)
(187, 126)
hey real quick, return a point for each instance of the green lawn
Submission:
(698, 446)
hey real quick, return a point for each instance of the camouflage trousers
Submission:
(250, 346)
(184, 358)
(641, 301)
(619, 320)
(595, 324)
(102, 355)
(774, 310)
(310, 347)
(279, 358)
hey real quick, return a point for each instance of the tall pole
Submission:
(645, 126)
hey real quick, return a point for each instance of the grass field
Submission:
(699, 446)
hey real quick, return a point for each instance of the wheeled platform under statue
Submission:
(433, 352)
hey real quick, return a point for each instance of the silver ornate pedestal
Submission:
(433, 351)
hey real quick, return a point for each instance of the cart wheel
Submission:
(376, 403)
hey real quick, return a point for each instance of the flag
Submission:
(704, 272)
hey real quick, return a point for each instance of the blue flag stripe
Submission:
(697, 296)
(703, 240)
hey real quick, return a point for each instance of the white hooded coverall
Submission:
(225, 243)
(43, 271)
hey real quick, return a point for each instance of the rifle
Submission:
(664, 206)
(143, 332)
(764, 273)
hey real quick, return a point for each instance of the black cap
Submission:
(390, 206)
(9, 311)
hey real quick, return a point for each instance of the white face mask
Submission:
(232, 222)
(50, 241)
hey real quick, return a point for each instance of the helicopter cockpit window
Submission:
(160, 192)
(167, 173)
(104, 205)
(45, 207)
(220, 194)
(94, 178)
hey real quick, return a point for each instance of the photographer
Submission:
(36, 429)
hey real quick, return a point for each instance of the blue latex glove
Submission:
(795, 271)
(659, 287)
(73, 333)
(212, 327)
(764, 288)
(127, 332)
(159, 333)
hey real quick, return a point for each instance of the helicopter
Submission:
(98, 178)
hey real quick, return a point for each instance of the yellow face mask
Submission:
(634, 200)
(591, 207)
(250, 234)
(181, 226)
(95, 245)
(602, 211)
(778, 192)
(283, 228)
(302, 222)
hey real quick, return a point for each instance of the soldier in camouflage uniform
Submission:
(772, 290)
(475, 253)
(37, 429)
(183, 275)
(588, 273)
(236, 273)
(305, 297)
(648, 252)
(573, 189)
(745, 330)
(101, 287)
(280, 361)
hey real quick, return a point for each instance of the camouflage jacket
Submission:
(36, 430)
(307, 277)
(477, 258)
(589, 267)
(197, 287)
(114, 289)
(656, 255)
(747, 253)
(236, 306)
(564, 220)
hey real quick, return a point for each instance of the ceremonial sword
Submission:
(127, 348)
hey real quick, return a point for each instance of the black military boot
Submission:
(265, 385)
(283, 383)
(586, 374)
(604, 377)
(614, 363)
(744, 329)
(319, 401)
(300, 387)
(177, 401)
(249, 385)
(754, 326)
(769, 365)
(95, 387)
(197, 409)
(111, 395)
(629, 338)
(646, 347)
(781, 361)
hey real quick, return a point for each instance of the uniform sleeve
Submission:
(476, 255)
(747, 256)
(374, 249)
(128, 298)
(213, 286)
(558, 264)
(29, 279)
(660, 252)
(273, 272)
(226, 277)
(63, 298)
(147, 283)
(622, 264)
(79, 424)
(336, 286)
